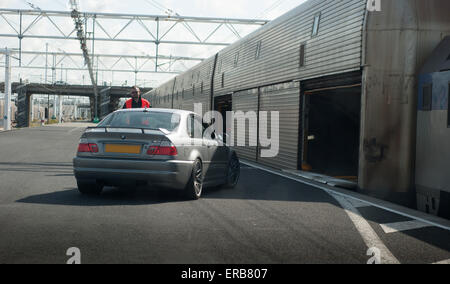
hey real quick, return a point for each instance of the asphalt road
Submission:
(266, 219)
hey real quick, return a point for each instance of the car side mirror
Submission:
(213, 135)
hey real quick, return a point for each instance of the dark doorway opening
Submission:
(448, 108)
(332, 131)
(223, 104)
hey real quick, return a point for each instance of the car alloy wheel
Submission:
(195, 184)
(198, 178)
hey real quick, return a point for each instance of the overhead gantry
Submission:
(96, 30)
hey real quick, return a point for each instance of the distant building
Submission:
(2, 108)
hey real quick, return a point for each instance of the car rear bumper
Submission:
(171, 174)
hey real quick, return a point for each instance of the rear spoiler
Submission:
(158, 131)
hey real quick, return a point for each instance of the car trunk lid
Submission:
(124, 143)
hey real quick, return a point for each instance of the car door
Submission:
(218, 155)
(195, 132)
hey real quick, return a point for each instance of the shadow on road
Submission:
(258, 185)
(110, 197)
(252, 186)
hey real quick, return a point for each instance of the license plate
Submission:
(124, 149)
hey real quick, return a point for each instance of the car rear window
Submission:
(145, 120)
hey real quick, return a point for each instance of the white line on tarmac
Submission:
(369, 236)
(403, 226)
(329, 190)
(73, 130)
(358, 204)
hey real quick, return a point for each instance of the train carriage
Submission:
(343, 76)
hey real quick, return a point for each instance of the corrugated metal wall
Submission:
(246, 101)
(268, 58)
(336, 48)
(202, 98)
(191, 84)
(284, 98)
(187, 100)
(161, 97)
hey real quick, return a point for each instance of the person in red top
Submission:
(136, 101)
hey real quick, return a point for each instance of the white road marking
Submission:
(76, 128)
(327, 189)
(447, 261)
(358, 204)
(369, 236)
(403, 226)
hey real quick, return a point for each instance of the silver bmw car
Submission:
(156, 147)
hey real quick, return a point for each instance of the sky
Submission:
(243, 9)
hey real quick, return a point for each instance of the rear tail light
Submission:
(87, 148)
(165, 149)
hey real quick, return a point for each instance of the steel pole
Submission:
(60, 99)
(39, 109)
(53, 82)
(31, 109)
(7, 112)
(20, 40)
(46, 82)
(46, 62)
(157, 44)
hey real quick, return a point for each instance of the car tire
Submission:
(194, 188)
(234, 172)
(89, 188)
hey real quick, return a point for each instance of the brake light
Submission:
(162, 151)
(87, 148)
(83, 148)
